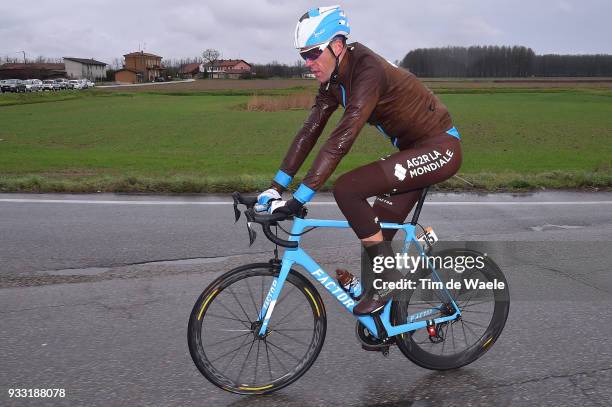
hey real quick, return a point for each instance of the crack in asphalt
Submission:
(589, 373)
(126, 308)
(570, 277)
(415, 395)
(153, 262)
(568, 376)
(117, 272)
(584, 393)
(47, 306)
(105, 306)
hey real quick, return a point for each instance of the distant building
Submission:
(191, 70)
(81, 68)
(32, 71)
(140, 67)
(228, 69)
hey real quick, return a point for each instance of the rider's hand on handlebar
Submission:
(264, 199)
(290, 207)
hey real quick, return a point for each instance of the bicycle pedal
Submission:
(384, 349)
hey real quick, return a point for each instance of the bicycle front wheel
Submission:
(223, 330)
(459, 342)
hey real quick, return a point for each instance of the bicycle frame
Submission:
(299, 256)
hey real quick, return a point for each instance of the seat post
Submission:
(417, 210)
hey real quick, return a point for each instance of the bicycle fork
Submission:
(272, 297)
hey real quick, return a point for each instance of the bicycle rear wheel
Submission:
(462, 341)
(223, 327)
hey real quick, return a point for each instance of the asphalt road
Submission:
(95, 299)
(81, 231)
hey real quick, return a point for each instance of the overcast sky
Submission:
(262, 30)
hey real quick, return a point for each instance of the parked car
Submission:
(90, 84)
(50, 84)
(160, 79)
(2, 83)
(75, 84)
(63, 83)
(33, 85)
(84, 84)
(13, 85)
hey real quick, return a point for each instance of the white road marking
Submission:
(322, 203)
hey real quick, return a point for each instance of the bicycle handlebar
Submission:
(268, 220)
(265, 220)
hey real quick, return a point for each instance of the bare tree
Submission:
(210, 56)
(117, 64)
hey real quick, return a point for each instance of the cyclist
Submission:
(374, 91)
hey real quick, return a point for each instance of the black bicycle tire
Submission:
(436, 362)
(194, 326)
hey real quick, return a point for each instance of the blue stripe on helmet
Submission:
(313, 12)
(282, 178)
(328, 28)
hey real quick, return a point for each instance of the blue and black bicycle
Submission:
(259, 327)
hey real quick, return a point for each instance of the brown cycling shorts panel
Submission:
(397, 181)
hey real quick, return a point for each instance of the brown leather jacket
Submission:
(371, 90)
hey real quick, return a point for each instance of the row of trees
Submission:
(496, 61)
(276, 69)
(7, 59)
(475, 62)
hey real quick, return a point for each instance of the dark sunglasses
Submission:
(312, 54)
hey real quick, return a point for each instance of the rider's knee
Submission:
(343, 187)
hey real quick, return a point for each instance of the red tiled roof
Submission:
(189, 68)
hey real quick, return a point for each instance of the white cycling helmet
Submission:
(319, 26)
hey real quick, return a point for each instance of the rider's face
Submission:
(324, 65)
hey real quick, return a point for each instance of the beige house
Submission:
(140, 67)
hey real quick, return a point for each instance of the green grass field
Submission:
(197, 142)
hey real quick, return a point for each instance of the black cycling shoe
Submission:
(375, 300)
(374, 303)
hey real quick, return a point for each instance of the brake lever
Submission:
(237, 212)
(252, 233)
